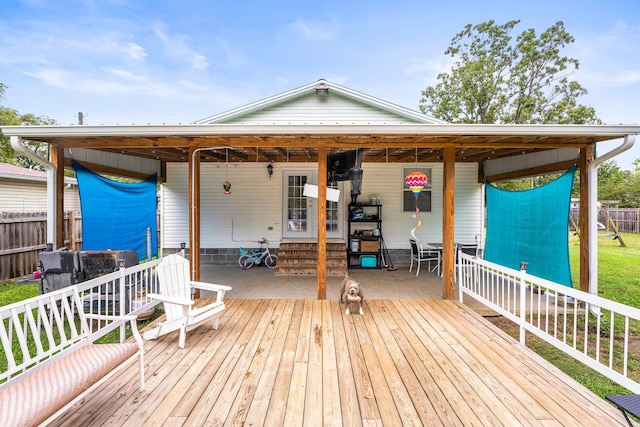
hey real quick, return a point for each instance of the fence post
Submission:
(149, 249)
(72, 228)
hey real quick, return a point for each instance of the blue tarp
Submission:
(531, 226)
(116, 215)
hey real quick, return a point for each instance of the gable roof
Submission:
(321, 102)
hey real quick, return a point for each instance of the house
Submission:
(291, 135)
(270, 204)
(25, 190)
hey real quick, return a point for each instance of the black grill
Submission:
(65, 268)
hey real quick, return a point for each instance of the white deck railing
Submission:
(593, 330)
(41, 327)
(123, 291)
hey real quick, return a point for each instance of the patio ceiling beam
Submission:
(108, 170)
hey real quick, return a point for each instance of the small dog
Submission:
(351, 293)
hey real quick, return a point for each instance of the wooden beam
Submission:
(448, 249)
(586, 157)
(93, 167)
(194, 215)
(322, 223)
(57, 159)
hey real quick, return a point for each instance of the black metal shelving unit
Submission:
(364, 231)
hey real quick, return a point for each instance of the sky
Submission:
(162, 61)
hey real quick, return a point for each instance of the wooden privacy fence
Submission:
(24, 235)
(626, 219)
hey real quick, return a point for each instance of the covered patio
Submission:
(303, 362)
(524, 149)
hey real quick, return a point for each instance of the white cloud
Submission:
(177, 46)
(316, 31)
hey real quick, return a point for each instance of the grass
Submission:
(13, 292)
(618, 268)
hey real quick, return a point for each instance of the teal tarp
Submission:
(531, 226)
(116, 215)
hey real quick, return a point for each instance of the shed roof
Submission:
(9, 171)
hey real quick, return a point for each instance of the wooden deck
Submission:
(303, 362)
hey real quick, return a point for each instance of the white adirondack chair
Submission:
(175, 285)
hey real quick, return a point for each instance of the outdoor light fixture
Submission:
(355, 178)
(270, 170)
(523, 265)
(322, 89)
(122, 264)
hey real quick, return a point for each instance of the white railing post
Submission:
(123, 299)
(523, 299)
(459, 267)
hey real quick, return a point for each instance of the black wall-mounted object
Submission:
(339, 164)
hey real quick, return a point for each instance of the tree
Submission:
(617, 184)
(497, 80)
(11, 117)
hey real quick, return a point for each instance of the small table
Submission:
(626, 403)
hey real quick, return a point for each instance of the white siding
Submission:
(255, 203)
(174, 206)
(31, 196)
(469, 205)
(314, 109)
(387, 181)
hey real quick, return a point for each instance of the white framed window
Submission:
(409, 199)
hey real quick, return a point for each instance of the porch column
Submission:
(194, 214)
(448, 250)
(586, 157)
(57, 159)
(322, 223)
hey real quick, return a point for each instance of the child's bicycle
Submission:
(257, 256)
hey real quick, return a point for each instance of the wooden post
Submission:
(57, 159)
(194, 214)
(448, 249)
(586, 157)
(322, 223)
(73, 235)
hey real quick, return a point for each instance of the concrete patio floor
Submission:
(260, 282)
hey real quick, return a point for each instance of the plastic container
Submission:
(368, 261)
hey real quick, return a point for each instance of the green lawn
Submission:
(618, 268)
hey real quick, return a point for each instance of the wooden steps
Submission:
(300, 259)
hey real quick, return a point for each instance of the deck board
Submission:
(306, 363)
